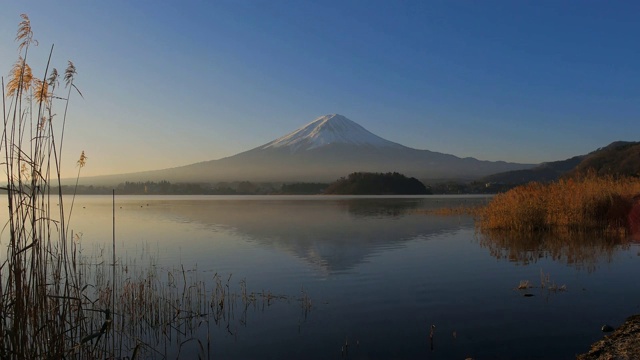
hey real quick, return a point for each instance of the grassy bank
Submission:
(586, 203)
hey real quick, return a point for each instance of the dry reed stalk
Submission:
(41, 302)
(589, 202)
(57, 302)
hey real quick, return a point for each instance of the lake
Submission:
(379, 273)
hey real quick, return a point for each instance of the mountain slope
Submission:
(617, 158)
(545, 172)
(329, 147)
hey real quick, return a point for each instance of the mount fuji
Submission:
(325, 149)
(327, 130)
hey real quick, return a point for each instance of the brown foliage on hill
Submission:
(617, 159)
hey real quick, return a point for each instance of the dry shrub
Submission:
(589, 202)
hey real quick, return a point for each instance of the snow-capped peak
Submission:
(329, 129)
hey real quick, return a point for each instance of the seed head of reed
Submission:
(83, 160)
(24, 35)
(20, 78)
(41, 91)
(69, 73)
(53, 78)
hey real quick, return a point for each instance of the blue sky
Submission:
(169, 83)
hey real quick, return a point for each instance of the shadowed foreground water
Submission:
(379, 274)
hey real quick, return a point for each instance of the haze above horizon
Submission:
(167, 84)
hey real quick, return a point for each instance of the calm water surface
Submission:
(379, 274)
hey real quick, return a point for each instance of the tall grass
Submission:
(40, 292)
(586, 203)
(162, 312)
(55, 301)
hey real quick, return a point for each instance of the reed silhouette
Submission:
(58, 302)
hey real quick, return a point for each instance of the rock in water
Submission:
(607, 328)
(623, 343)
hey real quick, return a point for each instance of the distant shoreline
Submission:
(257, 188)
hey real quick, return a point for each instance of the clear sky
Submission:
(169, 83)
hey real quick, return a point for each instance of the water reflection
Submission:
(380, 208)
(583, 250)
(332, 235)
(386, 286)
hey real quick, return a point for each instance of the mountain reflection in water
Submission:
(332, 235)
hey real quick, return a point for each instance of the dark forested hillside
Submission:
(363, 183)
(618, 159)
(545, 172)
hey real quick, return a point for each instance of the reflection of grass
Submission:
(452, 211)
(585, 203)
(576, 248)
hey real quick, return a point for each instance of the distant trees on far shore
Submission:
(167, 188)
(221, 188)
(353, 184)
(365, 183)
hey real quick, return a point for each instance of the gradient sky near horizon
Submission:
(170, 83)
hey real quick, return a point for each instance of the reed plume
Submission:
(24, 36)
(20, 79)
(41, 91)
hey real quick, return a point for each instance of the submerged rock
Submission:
(623, 343)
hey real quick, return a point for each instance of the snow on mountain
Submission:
(327, 148)
(329, 129)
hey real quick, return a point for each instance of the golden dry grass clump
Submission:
(588, 202)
